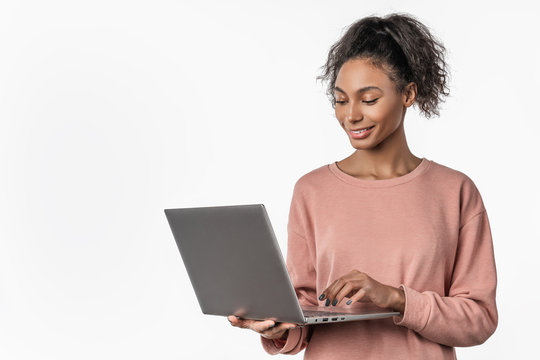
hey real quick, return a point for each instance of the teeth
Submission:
(360, 131)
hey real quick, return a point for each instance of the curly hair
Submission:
(403, 48)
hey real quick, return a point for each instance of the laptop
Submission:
(236, 267)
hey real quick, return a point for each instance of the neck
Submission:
(391, 158)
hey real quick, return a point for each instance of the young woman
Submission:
(383, 225)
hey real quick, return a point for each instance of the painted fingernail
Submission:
(334, 302)
(292, 327)
(349, 302)
(321, 297)
(327, 302)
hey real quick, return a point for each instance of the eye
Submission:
(370, 101)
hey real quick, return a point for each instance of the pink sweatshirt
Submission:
(426, 232)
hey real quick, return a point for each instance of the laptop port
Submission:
(325, 319)
(334, 319)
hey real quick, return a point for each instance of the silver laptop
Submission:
(235, 266)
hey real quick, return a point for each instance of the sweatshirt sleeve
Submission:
(299, 262)
(468, 315)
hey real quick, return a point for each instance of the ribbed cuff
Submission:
(416, 313)
(273, 348)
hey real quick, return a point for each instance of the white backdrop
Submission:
(111, 111)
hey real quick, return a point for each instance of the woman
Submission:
(383, 225)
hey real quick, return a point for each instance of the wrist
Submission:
(398, 304)
(282, 339)
(284, 335)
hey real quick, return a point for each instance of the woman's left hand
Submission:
(358, 286)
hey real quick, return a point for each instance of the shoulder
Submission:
(456, 184)
(448, 174)
(452, 178)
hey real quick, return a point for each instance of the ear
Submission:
(409, 95)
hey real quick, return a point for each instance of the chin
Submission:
(362, 143)
(365, 145)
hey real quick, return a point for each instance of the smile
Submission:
(360, 134)
(361, 131)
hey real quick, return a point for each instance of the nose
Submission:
(353, 113)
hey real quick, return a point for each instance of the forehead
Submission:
(358, 73)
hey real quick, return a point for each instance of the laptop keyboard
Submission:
(315, 313)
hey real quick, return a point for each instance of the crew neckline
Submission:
(422, 167)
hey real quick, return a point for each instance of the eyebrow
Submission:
(361, 90)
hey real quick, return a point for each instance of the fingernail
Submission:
(349, 302)
(327, 302)
(292, 327)
(321, 297)
(334, 302)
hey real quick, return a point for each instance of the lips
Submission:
(362, 134)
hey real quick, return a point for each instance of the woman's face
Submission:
(366, 98)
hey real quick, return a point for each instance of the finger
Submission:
(270, 326)
(359, 296)
(278, 330)
(324, 293)
(239, 322)
(233, 320)
(261, 325)
(345, 290)
(332, 291)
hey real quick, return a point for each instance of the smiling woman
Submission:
(384, 226)
(378, 69)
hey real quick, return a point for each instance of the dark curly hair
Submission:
(403, 48)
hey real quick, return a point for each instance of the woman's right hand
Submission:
(266, 328)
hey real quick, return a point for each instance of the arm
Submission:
(299, 261)
(468, 315)
(303, 279)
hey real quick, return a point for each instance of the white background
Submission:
(111, 111)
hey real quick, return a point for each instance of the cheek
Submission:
(383, 114)
(340, 116)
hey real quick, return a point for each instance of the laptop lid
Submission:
(234, 262)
